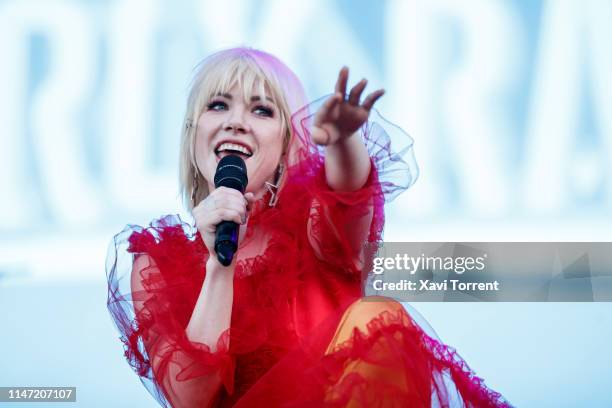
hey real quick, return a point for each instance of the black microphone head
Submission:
(232, 173)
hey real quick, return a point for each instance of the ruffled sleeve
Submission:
(342, 222)
(154, 278)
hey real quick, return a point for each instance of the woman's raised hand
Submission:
(222, 204)
(340, 117)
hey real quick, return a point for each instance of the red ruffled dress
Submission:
(287, 306)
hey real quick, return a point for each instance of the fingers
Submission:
(326, 108)
(230, 204)
(355, 94)
(342, 80)
(224, 204)
(226, 191)
(224, 214)
(230, 199)
(372, 98)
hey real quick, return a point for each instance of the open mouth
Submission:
(226, 149)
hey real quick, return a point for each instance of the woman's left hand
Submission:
(339, 117)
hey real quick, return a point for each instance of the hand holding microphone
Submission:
(221, 216)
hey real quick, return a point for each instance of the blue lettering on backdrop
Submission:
(506, 102)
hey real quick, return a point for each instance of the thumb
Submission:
(320, 136)
(250, 198)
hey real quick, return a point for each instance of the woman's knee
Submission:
(368, 307)
(361, 312)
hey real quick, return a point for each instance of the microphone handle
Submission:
(226, 242)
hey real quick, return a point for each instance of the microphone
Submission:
(232, 173)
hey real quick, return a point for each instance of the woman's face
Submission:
(253, 131)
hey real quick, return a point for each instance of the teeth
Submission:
(235, 147)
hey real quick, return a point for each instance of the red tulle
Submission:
(288, 303)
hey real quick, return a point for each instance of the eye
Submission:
(216, 105)
(264, 110)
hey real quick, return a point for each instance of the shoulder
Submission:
(162, 258)
(168, 230)
(170, 242)
(167, 247)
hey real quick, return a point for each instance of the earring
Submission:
(273, 188)
(194, 187)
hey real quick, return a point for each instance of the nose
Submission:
(236, 127)
(235, 123)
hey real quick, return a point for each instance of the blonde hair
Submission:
(250, 69)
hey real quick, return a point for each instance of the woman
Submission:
(284, 324)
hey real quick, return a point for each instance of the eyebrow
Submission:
(253, 98)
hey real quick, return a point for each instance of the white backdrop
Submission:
(508, 103)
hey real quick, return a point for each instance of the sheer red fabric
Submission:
(288, 303)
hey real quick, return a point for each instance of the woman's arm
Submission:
(347, 167)
(336, 126)
(347, 163)
(211, 316)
